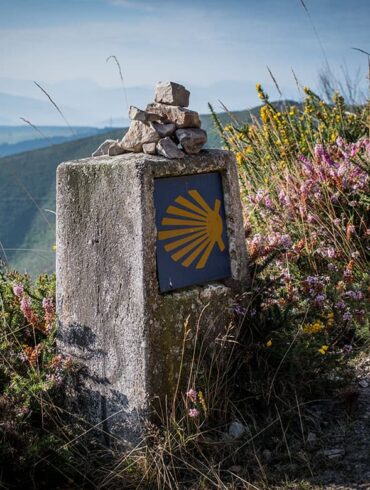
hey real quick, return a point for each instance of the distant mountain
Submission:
(27, 194)
(17, 139)
(84, 102)
(40, 112)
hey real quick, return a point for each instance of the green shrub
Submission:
(31, 383)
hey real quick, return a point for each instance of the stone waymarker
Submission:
(113, 266)
(145, 246)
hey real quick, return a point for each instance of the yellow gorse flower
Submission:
(330, 319)
(269, 343)
(202, 401)
(265, 114)
(239, 158)
(312, 328)
(323, 349)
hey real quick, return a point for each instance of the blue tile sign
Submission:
(192, 245)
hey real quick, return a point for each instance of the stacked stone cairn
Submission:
(165, 128)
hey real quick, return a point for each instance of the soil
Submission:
(343, 460)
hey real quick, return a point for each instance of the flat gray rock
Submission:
(168, 148)
(172, 93)
(236, 429)
(103, 148)
(149, 148)
(183, 118)
(116, 149)
(164, 129)
(136, 114)
(192, 139)
(138, 134)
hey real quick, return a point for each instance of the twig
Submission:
(55, 105)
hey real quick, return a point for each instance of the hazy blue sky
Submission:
(195, 42)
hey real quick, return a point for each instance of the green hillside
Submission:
(27, 193)
(27, 188)
(18, 139)
(18, 134)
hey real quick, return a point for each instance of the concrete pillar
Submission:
(123, 289)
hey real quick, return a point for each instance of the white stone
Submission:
(266, 453)
(149, 148)
(115, 149)
(103, 148)
(335, 453)
(192, 139)
(183, 118)
(172, 93)
(168, 148)
(236, 429)
(136, 114)
(138, 134)
(311, 438)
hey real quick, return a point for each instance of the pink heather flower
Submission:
(347, 316)
(330, 252)
(268, 202)
(347, 273)
(26, 306)
(47, 303)
(355, 295)
(239, 310)
(286, 241)
(192, 394)
(347, 349)
(350, 230)
(18, 290)
(193, 413)
(311, 218)
(340, 305)
(259, 195)
(340, 141)
(27, 311)
(49, 308)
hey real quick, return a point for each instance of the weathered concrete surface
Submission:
(112, 318)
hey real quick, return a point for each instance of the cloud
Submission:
(187, 42)
(134, 5)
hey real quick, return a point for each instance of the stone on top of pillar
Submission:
(171, 93)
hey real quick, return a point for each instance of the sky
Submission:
(219, 48)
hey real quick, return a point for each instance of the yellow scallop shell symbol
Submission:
(196, 228)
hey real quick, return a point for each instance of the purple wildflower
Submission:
(18, 290)
(347, 316)
(193, 413)
(192, 395)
